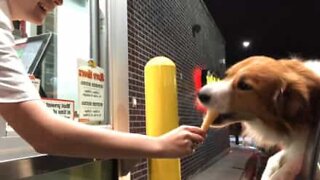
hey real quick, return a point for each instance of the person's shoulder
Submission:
(5, 21)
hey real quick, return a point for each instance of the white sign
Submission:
(35, 82)
(64, 108)
(91, 92)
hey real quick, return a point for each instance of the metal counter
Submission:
(62, 168)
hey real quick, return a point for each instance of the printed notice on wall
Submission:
(35, 81)
(91, 92)
(64, 108)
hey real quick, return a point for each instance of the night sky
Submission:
(276, 28)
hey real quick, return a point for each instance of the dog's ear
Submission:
(291, 101)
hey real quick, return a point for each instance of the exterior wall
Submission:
(171, 28)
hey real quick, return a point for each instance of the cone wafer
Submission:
(211, 115)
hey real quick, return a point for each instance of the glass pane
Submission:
(71, 46)
(58, 71)
(71, 26)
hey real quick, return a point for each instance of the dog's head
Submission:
(261, 88)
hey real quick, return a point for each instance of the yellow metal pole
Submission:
(161, 112)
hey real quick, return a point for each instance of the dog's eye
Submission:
(244, 86)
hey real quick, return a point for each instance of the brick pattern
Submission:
(165, 28)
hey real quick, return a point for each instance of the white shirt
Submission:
(15, 85)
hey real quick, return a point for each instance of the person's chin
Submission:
(38, 20)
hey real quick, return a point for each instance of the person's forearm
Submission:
(52, 134)
(101, 143)
(49, 133)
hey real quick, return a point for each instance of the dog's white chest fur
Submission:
(262, 134)
(313, 66)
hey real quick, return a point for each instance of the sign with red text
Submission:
(64, 108)
(35, 81)
(91, 92)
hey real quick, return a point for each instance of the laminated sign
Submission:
(91, 92)
(64, 108)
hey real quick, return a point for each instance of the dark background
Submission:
(276, 28)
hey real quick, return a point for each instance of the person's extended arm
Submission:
(51, 134)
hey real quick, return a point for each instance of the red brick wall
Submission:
(165, 28)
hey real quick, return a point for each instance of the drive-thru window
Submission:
(69, 61)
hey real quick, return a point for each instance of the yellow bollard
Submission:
(161, 112)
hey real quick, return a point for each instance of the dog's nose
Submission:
(204, 97)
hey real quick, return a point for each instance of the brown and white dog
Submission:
(276, 101)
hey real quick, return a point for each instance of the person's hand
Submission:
(180, 142)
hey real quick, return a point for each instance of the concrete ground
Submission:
(229, 167)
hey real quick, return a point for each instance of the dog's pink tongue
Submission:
(211, 115)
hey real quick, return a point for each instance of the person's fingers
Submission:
(194, 129)
(189, 143)
(190, 146)
(196, 138)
